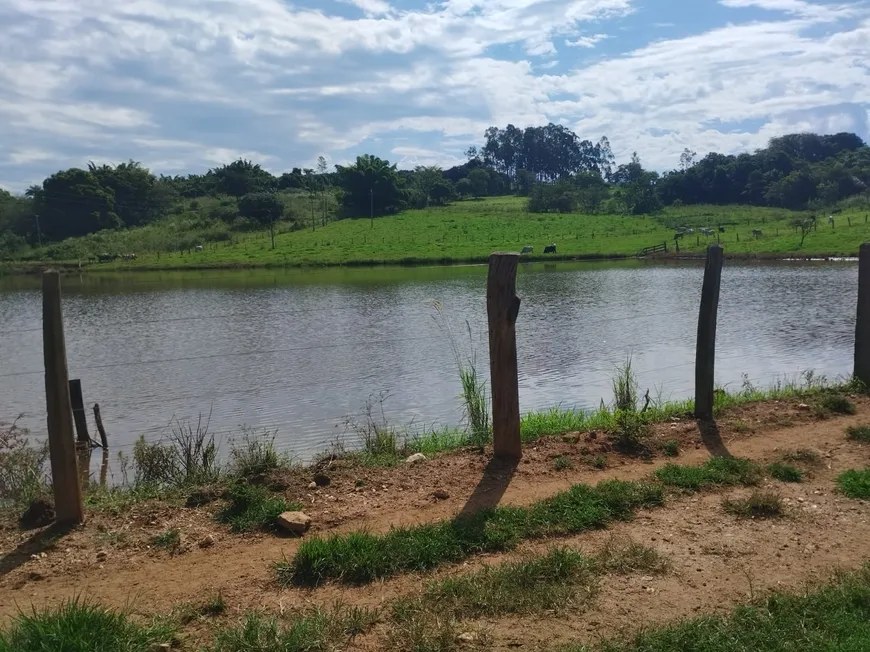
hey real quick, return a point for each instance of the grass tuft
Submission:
(718, 471)
(78, 626)
(785, 472)
(169, 540)
(671, 448)
(254, 455)
(624, 555)
(361, 557)
(760, 504)
(563, 463)
(859, 433)
(252, 507)
(830, 402)
(855, 484)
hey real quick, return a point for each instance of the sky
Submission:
(186, 85)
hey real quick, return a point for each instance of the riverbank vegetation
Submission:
(522, 188)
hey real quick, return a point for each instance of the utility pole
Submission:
(372, 206)
(272, 228)
(38, 231)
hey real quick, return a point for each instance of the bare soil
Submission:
(717, 559)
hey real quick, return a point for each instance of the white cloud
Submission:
(372, 7)
(586, 41)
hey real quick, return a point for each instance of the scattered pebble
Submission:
(440, 494)
(416, 457)
(207, 541)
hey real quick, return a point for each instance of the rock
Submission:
(321, 480)
(207, 541)
(466, 638)
(102, 555)
(440, 494)
(803, 406)
(39, 514)
(416, 457)
(294, 522)
(312, 485)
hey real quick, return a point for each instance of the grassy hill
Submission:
(462, 232)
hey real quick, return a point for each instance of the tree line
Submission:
(550, 165)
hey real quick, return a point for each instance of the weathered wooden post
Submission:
(98, 419)
(862, 321)
(64, 471)
(705, 354)
(78, 409)
(502, 308)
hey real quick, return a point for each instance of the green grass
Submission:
(719, 471)
(785, 472)
(833, 618)
(251, 508)
(168, 540)
(836, 403)
(859, 433)
(562, 463)
(759, 504)
(78, 626)
(312, 630)
(855, 484)
(464, 231)
(360, 557)
(623, 555)
(671, 448)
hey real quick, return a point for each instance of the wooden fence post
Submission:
(98, 419)
(78, 409)
(64, 471)
(502, 307)
(705, 353)
(862, 321)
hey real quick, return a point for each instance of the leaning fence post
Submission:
(502, 307)
(705, 354)
(98, 419)
(78, 409)
(64, 471)
(862, 321)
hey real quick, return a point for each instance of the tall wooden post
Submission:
(64, 471)
(502, 308)
(80, 419)
(862, 321)
(705, 354)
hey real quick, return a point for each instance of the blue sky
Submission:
(184, 85)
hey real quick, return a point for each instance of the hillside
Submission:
(464, 231)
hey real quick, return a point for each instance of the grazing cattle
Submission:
(198, 248)
(93, 259)
(678, 235)
(721, 229)
(526, 250)
(756, 233)
(550, 249)
(830, 219)
(129, 256)
(707, 232)
(690, 231)
(108, 258)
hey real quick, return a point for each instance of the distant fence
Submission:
(66, 411)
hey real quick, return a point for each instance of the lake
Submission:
(298, 351)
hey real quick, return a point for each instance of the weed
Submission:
(623, 555)
(360, 557)
(830, 402)
(168, 540)
(802, 456)
(22, 467)
(716, 471)
(563, 463)
(671, 448)
(78, 626)
(741, 426)
(251, 507)
(631, 431)
(377, 437)
(416, 630)
(785, 472)
(759, 504)
(255, 455)
(855, 484)
(190, 457)
(212, 607)
(312, 630)
(625, 388)
(859, 433)
(600, 461)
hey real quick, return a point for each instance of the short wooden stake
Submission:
(64, 469)
(862, 321)
(502, 308)
(98, 419)
(705, 353)
(78, 408)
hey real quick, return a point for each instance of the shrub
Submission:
(255, 455)
(252, 508)
(671, 448)
(760, 504)
(785, 472)
(22, 466)
(836, 403)
(859, 433)
(855, 484)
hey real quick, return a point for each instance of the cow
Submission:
(199, 248)
(756, 233)
(707, 232)
(107, 258)
(550, 249)
(129, 256)
(721, 229)
(678, 235)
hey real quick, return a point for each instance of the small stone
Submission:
(102, 555)
(294, 522)
(207, 541)
(466, 637)
(416, 457)
(803, 406)
(322, 480)
(312, 485)
(440, 494)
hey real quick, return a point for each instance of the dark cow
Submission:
(550, 249)
(527, 250)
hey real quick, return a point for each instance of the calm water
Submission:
(299, 351)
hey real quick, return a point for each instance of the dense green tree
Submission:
(464, 187)
(264, 207)
(140, 197)
(241, 178)
(74, 203)
(371, 185)
(479, 180)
